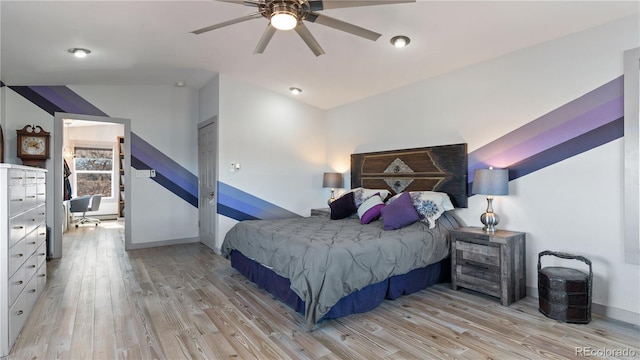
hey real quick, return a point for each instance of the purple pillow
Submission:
(343, 207)
(370, 209)
(399, 213)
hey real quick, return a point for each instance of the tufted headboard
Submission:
(435, 168)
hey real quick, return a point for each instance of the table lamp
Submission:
(490, 182)
(332, 180)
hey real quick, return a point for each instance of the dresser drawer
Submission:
(17, 283)
(42, 277)
(31, 243)
(30, 177)
(31, 266)
(19, 312)
(42, 233)
(16, 177)
(17, 200)
(30, 196)
(33, 218)
(17, 256)
(41, 253)
(41, 193)
(17, 229)
(41, 177)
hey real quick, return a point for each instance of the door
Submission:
(207, 165)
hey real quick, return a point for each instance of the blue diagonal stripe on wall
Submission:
(169, 173)
(240, 205)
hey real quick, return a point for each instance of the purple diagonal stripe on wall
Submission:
(590, 111)
(67, 100)
(565, 131)
(163, 164)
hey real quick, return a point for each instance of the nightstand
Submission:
(489, 263)
(321, 212)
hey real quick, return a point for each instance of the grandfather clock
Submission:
(33, 146)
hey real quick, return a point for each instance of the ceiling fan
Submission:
(290, 14)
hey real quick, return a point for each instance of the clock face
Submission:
(32, 145)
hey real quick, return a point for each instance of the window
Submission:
(94, 171)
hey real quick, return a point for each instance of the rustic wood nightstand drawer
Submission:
(478, 254)
(492, 264)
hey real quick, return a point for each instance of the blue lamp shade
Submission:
(332, 180)
(491, 182)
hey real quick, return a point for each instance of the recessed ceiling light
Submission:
(400, 41)
(180, 84)
(79, 52)
(295, 90)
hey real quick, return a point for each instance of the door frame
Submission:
(57, 188)
(211, 120)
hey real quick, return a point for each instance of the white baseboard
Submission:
(147, 245)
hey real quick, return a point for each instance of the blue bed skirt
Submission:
(360, 301)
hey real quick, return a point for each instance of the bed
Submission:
(328, 268)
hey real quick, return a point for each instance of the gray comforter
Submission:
(326, 260)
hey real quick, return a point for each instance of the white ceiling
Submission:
(149, 43)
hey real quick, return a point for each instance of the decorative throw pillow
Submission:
(399, 213)
(430, 205)
(370, 209)
(343, 207)
(362, 194)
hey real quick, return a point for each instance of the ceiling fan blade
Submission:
(264, 40)
(242, 2)
(311, 42)
(317, 5)
(227, 23)
(343, 26)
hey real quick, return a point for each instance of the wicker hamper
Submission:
(565, 294)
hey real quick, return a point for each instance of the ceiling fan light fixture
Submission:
(79, 52)
(400, 41)
(283, 17)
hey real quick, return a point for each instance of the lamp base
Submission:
(489, 219)
(332, 198)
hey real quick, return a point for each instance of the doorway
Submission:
(57, 186)
(207, 180)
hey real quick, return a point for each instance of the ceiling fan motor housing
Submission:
(295, 8)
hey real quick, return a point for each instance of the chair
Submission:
(85, 203)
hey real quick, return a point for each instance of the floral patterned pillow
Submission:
(430, 205)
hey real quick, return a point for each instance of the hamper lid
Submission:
(564, 273)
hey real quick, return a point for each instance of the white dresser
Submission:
(23, 248)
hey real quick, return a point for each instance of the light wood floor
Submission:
(185, 302)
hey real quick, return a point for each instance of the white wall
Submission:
(279, 142)
(161, 115)
(573, 206)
